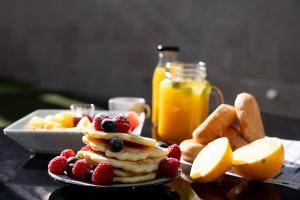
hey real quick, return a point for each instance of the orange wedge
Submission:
(259, 160)
(212, 161)
(83, 123)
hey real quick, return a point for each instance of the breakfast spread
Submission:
(113, 154)
(232, 137)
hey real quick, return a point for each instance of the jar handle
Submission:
(219, 93)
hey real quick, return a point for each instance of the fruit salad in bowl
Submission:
(50, 131)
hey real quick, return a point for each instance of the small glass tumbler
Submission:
(82, 110)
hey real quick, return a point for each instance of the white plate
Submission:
(52, 141)
(156, 181)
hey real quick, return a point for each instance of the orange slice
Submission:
(259, 160)
(212, 161)
(83, 123)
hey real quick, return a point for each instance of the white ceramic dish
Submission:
(51, 141)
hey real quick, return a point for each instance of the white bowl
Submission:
(52, 141)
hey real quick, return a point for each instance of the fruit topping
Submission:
(58, 165)
(69, 169)
(97, 121)
(162, 144)
(108, 125)
(67, 153)
(122, 123)
(174, 151)
(72, 160)
(169, 167)
(116, 144)
(83, 123)
(133, 119)
(80, 170)
(89, 175)
(103, 174)
(86, 148)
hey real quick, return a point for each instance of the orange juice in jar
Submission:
(183, 102)
(166, 55)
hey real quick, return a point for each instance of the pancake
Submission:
(123, 173)
(95, 144)
(141, 166)
(135, 179)
(124, 136)
(127, 153)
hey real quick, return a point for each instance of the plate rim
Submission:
(164, 180)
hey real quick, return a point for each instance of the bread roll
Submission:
(214, 124)
(234, 136)
(190, 149)
(249, 117)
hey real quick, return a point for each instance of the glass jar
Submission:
(166, 54)
(183, 101)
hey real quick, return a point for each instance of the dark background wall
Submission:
(106, 48)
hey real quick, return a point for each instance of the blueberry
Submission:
(72, 160)
(69, 169)
(108, 125)
(162, 144)
(116, 144)
(89, 175)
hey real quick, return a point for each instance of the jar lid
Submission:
(167, 48)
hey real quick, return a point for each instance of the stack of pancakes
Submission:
(138, 160)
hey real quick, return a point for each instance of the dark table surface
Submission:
(23, 175)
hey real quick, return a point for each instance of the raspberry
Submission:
(103, 174)
(67, 153)
(80, 170)
(174, 151)
(86, 148)
(98, 120)
(122, 123)
(58, 165)
(169, 167)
